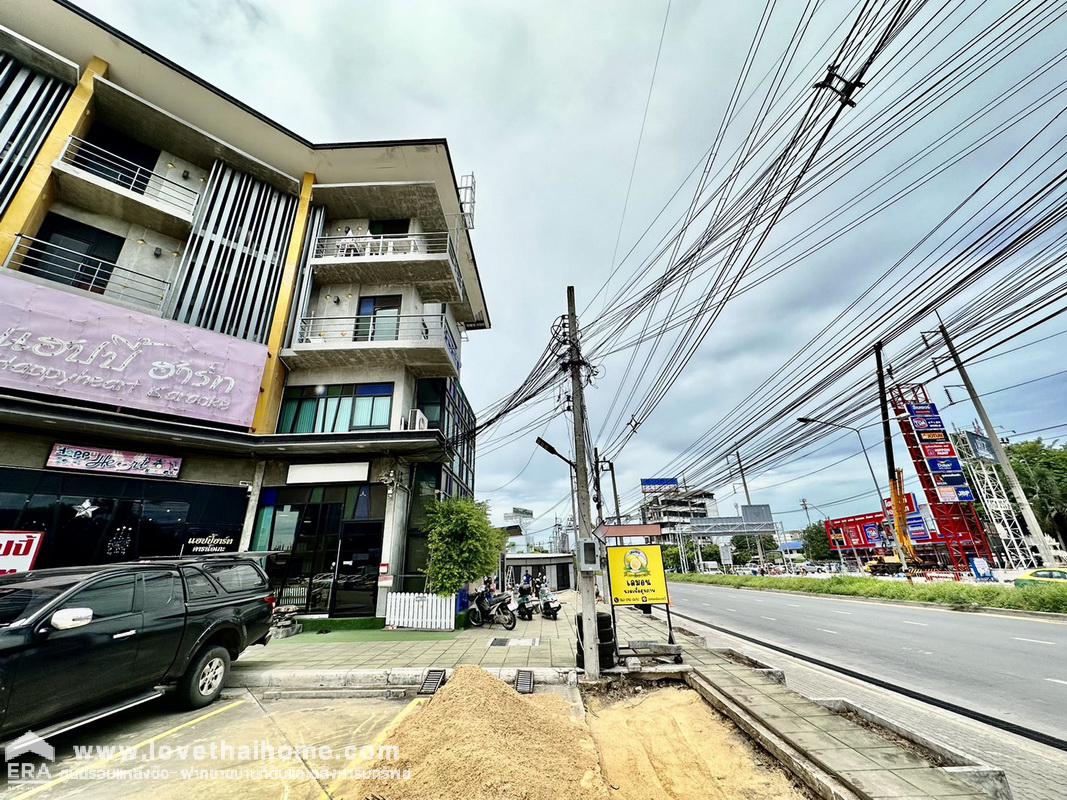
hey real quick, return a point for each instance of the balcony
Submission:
(426, 260)
(100, 181)
(70, 268)
(423, 343)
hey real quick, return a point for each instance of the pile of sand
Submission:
(480, 740)
(670, 745)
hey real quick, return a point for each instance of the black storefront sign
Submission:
(96, 519)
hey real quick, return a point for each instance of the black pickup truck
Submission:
(80, 643)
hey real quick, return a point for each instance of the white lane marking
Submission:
(792, 605)
(772, 619)
(706, 604)
(909, 622)
(1056, 680)
(731, 609)
(826, 630)
(835, 611)
(758, 599)
(1035, 641)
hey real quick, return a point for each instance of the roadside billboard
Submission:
(861, 531)
(637, 575)
(654, 485)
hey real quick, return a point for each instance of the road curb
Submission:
(1048, 616)
(823, 783)
(354, 679)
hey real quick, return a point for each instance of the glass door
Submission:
(359, 552)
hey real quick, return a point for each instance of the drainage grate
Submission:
(435, 678)
(524, 681)
(502, 642)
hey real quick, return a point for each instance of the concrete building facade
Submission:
(215, 334)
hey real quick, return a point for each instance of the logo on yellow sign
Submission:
(637, 575)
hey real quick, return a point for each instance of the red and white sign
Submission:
(909, 504)
(939, 450)
(18, 550)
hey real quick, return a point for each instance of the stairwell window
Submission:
(336, 409)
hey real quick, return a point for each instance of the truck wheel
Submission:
(204, 679)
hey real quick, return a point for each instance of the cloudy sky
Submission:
(544, 102)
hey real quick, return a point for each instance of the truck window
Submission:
(197, 584)
(161, 591)
(239, 577)
(111, 597)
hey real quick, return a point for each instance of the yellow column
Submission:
(34, 197)
(270, 390)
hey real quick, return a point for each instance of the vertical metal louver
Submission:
(305, 280)
(29, 105)
(232, 267)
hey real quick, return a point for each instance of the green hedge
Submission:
(956, 595)
(343, 623)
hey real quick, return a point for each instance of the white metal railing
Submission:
(118, 170)
(391, 244)
(430, 328)
(71, 268)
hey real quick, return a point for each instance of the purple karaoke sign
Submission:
(62, 345)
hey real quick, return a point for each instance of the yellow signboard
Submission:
(637, 575)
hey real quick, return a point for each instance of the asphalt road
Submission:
(1013, 668)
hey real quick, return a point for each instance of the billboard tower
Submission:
(980, 462)
(941, 475)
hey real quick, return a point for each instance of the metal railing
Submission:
(118, 170)
(430, 328)
(71, 268)
(391, 244)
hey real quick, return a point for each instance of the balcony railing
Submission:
(118, 170)
(395, 245)
(432, 329)
(71, 268)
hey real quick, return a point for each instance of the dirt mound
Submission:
(668, 744)
(480, 740)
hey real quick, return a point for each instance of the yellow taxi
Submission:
(1045, 576)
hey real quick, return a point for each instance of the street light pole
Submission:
(870, 468)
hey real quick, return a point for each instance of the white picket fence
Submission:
(427, 612)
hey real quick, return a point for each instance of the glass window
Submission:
(197, 584)
(111, 597)
(261, 534)
(285, 521)
(239, 577)
(336, 409)
(20, 599)
(162, 591)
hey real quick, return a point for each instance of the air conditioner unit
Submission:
(417, 420)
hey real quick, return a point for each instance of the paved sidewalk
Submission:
(1034, 771)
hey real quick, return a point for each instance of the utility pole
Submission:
(598, 496)
(895, 494)
(586, 580)
(748, 502)
(804, 505)
(614, 491)
(1033, 527)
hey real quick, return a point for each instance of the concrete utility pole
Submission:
(586, 580)
(615, 492)
(1033, 527)
(748, 502)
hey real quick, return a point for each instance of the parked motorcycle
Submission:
(548, 605)
(488, 608)
(528, 604)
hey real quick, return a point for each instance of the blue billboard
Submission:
(944, 465)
